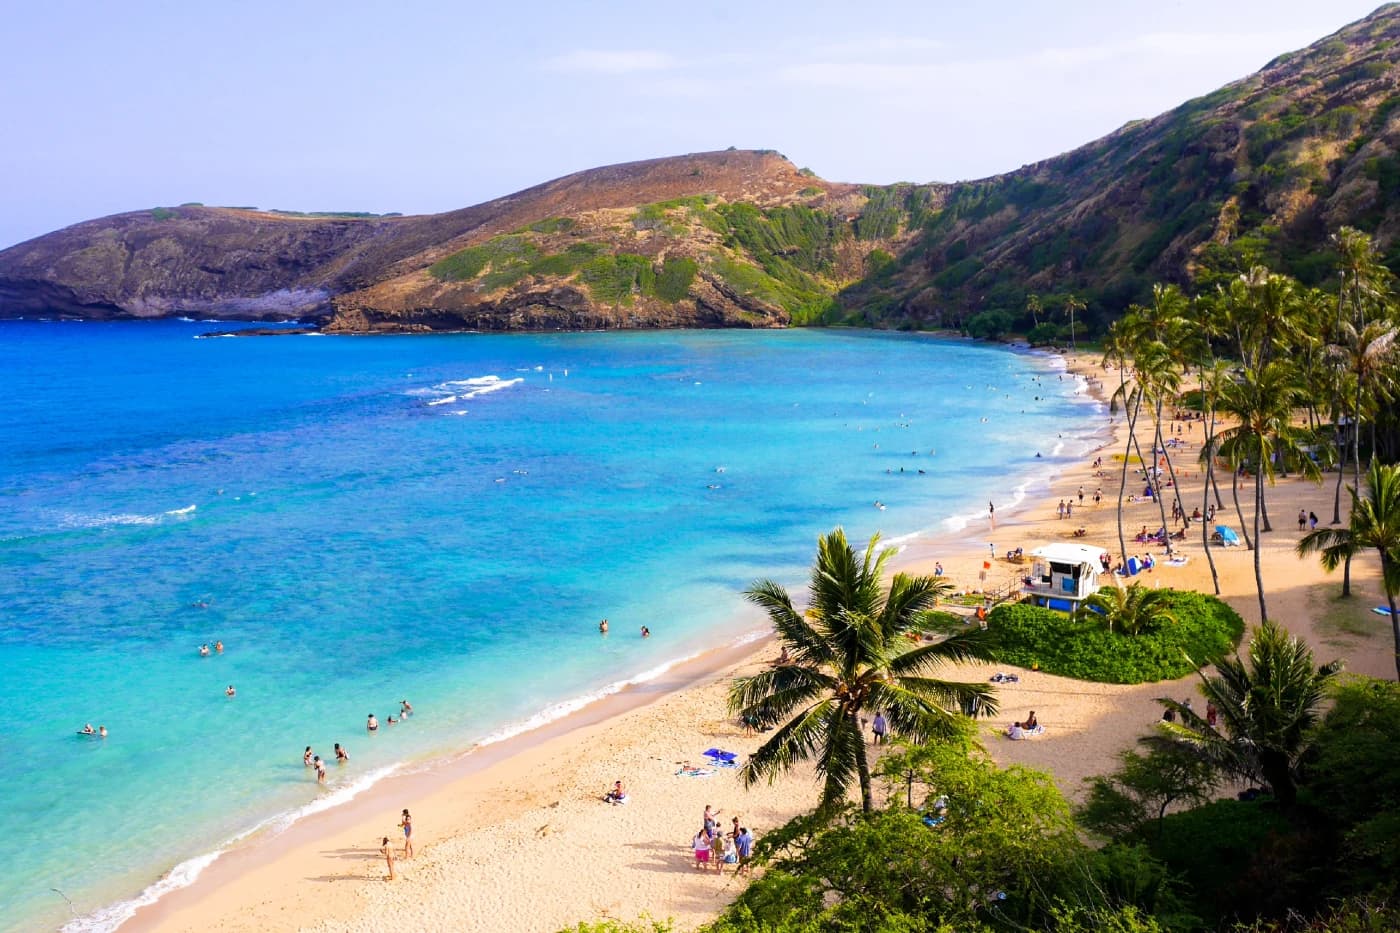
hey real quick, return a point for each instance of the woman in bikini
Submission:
(407, 824)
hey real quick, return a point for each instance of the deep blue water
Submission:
(362, 520)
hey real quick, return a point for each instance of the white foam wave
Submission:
(183, 875)
(185, 511)
(461, 390)
(114, 915)
(566, 707)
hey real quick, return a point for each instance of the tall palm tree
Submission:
(1374, 525)
(1034, 306)
(1132, 609)
(1263, 404)
(1127, 398)
(1072, 304)
(1267, 709)
(849, 656)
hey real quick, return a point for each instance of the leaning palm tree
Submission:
(1131, 609)
(1374, 524)
(849, 655)
(1267, 710)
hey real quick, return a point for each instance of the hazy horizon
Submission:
(431, 107)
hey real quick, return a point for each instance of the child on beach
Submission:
(388, 852)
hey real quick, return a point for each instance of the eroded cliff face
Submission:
(357, 274)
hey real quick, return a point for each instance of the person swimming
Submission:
(204, 651)
(230, 691)
(89, 730)
(372, 724)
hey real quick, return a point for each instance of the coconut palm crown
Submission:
(1268, 704)
(1374, 525)
(848, 657)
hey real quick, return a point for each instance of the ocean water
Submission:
(444, 519)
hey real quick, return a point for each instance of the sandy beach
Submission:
(516, 836)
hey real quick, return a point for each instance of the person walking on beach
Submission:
(1312, 521)
(1081, 495)
(406, 824)
(1302, 519)
(387, 851)
(880, 728)
(1060, 510)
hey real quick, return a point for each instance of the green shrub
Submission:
(162, 213)
(1029, 636)
(552, 225)
(617, 279)
(677, 274)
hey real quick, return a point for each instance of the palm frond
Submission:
(793, 742)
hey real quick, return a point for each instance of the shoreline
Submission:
(236, 859)
(502, 789)
(238, 853)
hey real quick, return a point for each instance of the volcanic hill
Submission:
(1262, 169)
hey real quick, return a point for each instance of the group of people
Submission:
(405, 711)
(712, 845)
(1307, 520)
(603, 629)
(387, 850)
(1028, 727)
(313, 760)
(100, 731)
(1212, 714)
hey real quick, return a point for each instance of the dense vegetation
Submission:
(1084, 647)
(1254, 173)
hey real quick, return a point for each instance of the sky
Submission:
(421, 107)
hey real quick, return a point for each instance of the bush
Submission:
(1029, 636)
(677, 274)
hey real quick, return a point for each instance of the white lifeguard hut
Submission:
(1064, 575)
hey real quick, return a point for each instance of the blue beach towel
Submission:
(1381, 610)
(722, 758)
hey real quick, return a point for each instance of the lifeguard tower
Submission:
(1064, 575)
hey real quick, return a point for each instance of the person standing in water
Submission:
(603, 627)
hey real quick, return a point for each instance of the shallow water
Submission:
(445, 519)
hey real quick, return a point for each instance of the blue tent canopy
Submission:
(1227, 534)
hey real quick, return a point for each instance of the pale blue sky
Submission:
(430, 106)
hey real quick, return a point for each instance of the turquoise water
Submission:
(445, 519)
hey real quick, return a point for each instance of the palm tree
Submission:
(1263, 405)
(1133, 609)
(1072, 304)
(1034, 306)
(1267, 710)
(1375, 524)
(849, 656)
(1127, 397)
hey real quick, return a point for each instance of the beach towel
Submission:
(695, 772)
(722, 758)
(1177, 561)
(1381, 610)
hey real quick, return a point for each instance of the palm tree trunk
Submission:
(1258, 548)
(1123, 484)
(1156, 446)
(867, 800)
(1274, 764)
(1176, 487)
(1394, 616)
(1341, 472)
(1205, 500)
(1235, 493)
